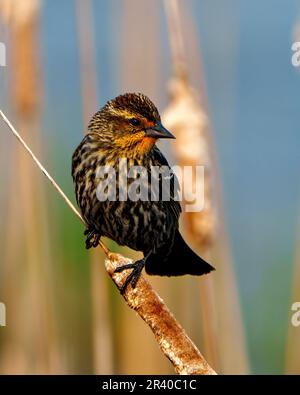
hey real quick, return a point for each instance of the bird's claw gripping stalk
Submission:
(92, 238)
(133, 277)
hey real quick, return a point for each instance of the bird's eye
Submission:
(134, 122)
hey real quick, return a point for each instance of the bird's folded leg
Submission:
(92, 238)
(133, 277)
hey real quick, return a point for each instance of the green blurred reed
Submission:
(292, 357)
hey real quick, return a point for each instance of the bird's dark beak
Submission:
(159, 132)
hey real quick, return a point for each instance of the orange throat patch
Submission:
(146, 144)
(139, 144)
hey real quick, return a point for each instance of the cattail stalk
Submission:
(188, 121)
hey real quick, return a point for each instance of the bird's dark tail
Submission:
(182, 260)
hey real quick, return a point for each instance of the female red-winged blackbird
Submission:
(128, 127)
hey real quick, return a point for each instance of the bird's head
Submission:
(129, 124)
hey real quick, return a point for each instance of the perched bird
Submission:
(128, 127)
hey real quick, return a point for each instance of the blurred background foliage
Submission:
(64, 60)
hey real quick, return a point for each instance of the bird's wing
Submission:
(173, 205)
(181, 260)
